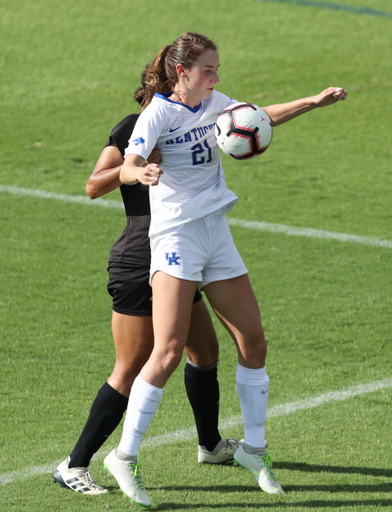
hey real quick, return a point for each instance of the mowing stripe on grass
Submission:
(234, 421)
(335, 7)
(259, 226)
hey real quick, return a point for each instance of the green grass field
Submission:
(68, 72)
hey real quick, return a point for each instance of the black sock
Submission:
(202, 388)
(105, 414)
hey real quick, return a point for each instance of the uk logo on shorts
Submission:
(173, 259)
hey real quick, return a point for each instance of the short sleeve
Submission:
(122, 132)
(148, 128)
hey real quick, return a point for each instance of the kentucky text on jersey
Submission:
(185, 138)
(192, 135)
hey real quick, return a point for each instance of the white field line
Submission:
(234, 421)
(259, 226)
(309, 232)
(62, 197)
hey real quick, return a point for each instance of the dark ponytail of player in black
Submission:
(140, 95)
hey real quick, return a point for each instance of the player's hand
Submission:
(154, 158)
(149, 175)
(330, 96)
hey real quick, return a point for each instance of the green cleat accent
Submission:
(129, 478)
(261, 468)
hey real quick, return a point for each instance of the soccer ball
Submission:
(243, 131)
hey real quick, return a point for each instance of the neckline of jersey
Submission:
(166, 96)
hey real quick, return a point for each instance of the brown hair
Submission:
(160, 74)
(140, 93)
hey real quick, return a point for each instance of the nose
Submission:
(215, 78)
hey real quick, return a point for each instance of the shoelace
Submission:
(233, 443)
(90, 482)
(134, 467)
(267, 464)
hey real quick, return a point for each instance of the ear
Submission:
(180, 70)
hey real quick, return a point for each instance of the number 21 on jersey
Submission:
(199, 155)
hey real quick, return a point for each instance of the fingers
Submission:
(340, 94)
(331, 96)
(150, 175)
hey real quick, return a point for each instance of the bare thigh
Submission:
(202, 346)
(236, 307)
(133, 341)
(172, 310)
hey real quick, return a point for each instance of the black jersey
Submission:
(133, 246)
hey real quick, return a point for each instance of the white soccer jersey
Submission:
(193, 184)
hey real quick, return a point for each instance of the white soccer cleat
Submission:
(77, 479)
(129, 478)
(261, 468)
(223, 452)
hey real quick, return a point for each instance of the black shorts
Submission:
(130, 289)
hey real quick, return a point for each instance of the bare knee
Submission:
(252, 351)
(123, 376)
(170, 361)
(205, 353)
(134, 341)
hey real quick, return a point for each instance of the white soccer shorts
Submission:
(202, 250)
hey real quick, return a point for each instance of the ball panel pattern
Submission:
(243, 131)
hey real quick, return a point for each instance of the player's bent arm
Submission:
(105, 176)
(284, 112)
(133, 171)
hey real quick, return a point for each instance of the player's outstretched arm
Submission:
(133, 171)
(283, 112)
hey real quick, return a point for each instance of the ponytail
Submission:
(154, 77)
(160, 75)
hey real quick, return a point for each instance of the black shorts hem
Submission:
(132, 313)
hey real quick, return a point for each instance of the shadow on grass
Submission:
(322, 504)
(320, 468)
(384, 487)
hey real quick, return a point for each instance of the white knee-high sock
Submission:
(252, 390)
(142, 405)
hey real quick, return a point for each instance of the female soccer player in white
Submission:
(129, 267)
(192, 246)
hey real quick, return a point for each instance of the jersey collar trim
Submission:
(165, 97)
